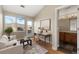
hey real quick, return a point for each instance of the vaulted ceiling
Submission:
(29, 10)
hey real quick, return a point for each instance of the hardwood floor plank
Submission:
(48, 46)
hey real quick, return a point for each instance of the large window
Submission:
(17, 23)
(20, 24)
(9, 19)
(29, 23)
(29, 26)
(20, 20)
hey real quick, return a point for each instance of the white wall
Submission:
(64, 25)
(46, 13)
(1, 21)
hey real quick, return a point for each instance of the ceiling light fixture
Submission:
(22, 6)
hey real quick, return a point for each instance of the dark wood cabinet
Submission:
(68, 39)
(61, 36)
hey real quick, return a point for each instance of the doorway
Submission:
(67, 29)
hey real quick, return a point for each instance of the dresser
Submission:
(68, 40)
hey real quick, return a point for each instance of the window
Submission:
(73, 25)
(29, 23)
(29, 26)
(20, 20)
(9, 19)
(17, 23)
(20, 23)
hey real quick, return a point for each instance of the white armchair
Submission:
(4, 41)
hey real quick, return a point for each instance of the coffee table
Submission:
(28, 41)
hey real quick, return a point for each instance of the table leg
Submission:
(49, 38)
(45, 39)
(23, 45)
(31, 42)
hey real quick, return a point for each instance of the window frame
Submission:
(15, 24)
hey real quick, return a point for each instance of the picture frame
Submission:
(45, 24)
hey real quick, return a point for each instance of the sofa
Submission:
(5, 42)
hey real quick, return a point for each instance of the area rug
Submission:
(34, 49)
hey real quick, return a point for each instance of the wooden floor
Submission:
(48, 47)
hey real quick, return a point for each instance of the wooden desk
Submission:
(45, 35)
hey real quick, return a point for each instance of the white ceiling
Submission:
(29, 10)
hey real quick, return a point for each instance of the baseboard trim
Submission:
(54, 48)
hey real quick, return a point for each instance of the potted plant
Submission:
(8, 31)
